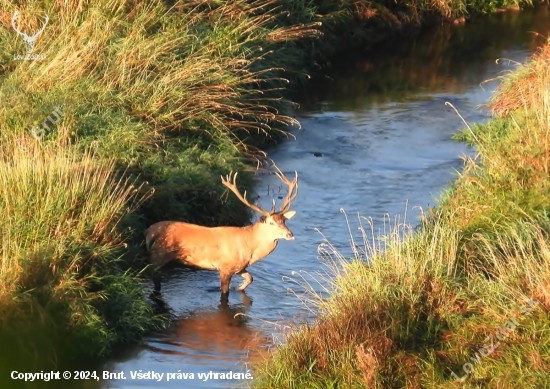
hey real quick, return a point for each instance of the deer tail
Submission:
(149, 240)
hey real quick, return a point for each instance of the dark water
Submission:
(375, 140)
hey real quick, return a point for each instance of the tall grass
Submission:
(60, 257)
(178, 94)
(423, 305)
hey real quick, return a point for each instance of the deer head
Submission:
(272, 223)
(29, 40)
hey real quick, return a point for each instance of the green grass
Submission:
(162, 97)
(60, 257)
(430, 297)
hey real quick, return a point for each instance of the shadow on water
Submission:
(376, 134)
(443, 57)
(219, 332)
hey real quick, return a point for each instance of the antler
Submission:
(43, 27)
(230, 182)
(13, 24)
(292, 190)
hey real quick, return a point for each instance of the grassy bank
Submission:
(157, 102)
(431, 297)
(155, 96)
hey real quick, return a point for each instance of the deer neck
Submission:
(259, 246)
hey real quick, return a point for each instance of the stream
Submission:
(375, 141)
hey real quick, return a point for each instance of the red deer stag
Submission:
(228, 250)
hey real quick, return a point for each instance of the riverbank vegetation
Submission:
(158, 102)
(352, 24)
(431, 298)
(155, 96)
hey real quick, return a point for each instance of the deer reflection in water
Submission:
(218, 333)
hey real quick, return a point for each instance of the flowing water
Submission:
(375, 140)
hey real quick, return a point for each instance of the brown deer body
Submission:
(228, 250)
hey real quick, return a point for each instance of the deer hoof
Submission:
(243, 286)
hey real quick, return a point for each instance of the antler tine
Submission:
(281, 175)
(13, 23)
(292, 193)
(292, 189)
(233, 187)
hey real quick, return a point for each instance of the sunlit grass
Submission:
(178, 95)
(154, 96)
(60, 255)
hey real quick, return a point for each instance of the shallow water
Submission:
(375, 140)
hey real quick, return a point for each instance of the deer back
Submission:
(194, 245)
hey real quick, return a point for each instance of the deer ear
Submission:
(262, 219)
(289, 214)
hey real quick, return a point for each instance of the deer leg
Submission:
(224, 300)
(156, 278)
(156, 281)
(247, 280)
(225, 279)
